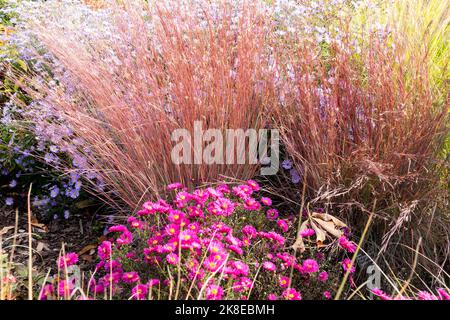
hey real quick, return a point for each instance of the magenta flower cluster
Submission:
(213, 243)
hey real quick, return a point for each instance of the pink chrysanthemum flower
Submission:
(215, 247)
(192, 264)
(172, 259)
(221, 227)
(130, 277)
(348, 266)
(113, 265)
(443, 295)
(253, 184)
(347, 244)
(194, 227)
(223, 188)
(214, 292)
(175, 186)
(380, 293)
(109, 278)
(195, 212)
(310, 266)
(424, 295)
(284, 282)
(272, 297)
(218, 257)
(307, 233)
(266, 201)
(246, 283)
(269, 266)
(214, 193)
(283, 225)
(240, 268)
(176, 216)
(200, 196)
(323, 276)
(147, 209)
(172, 229)
(272, 214)
(327, 295)
(246, 242)
(65, 288)
(249, 231)
(251, 204)
(182, 198)
(46, 292)
(224, 206)
(237, 249)
(233, 240)
(125, 238)
(242, 191)
(98, 288)
(211, 265)
(118, 228)
(187, 237)
(154, 241)
(68, 260)
(139, 292)
(153, 282)
(291, 294)
(135, 223)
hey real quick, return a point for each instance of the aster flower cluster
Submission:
(214, 243)
(45, 144)
(31, 157)
(313, 18)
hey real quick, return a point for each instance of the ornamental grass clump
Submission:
(158, 67)
(364, 128)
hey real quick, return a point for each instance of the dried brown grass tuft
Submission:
(367, 127)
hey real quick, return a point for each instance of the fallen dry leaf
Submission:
(322, 224)
(329, 227)
(41, 226)
(328, 217)
(86, 257)
(40, 246)
(5, 230)
(320, 234)
(89, 249)
(35, 223)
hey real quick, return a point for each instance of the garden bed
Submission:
(224, 149)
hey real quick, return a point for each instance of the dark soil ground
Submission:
(80, 233)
